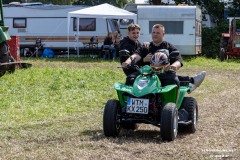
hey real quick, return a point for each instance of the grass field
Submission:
(54, 111)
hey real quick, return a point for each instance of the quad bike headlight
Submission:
(142, 83)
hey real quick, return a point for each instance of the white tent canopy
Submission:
(105, 11)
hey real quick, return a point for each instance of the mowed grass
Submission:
(54, 109)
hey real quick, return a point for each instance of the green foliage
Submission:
(234, 8)
(56, 2)
(211, 39)
(117, 3)
(9, 1)
(215, 8)
(155, 2)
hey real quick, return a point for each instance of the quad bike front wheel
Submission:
(169, 122)
(190, 104)
(111, 118)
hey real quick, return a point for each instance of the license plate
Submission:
(137, 105)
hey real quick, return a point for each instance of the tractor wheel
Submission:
(12, 67)
(111, 118)
(169, 122)
(2, 73)
(222, 54)
(190, 104)
(4, 52)
(5, 57)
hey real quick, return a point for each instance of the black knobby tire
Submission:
(222, 54)
(2, 73)
(12, 67)
(111, 118)
(190, 105)
(169, 122)
(223, 48)
(5, 57)
(4, 52)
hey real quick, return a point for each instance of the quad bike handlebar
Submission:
(132, 65)
(160, 69)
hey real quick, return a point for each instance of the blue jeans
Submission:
(111, 49)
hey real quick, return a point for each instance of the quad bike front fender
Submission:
(168, 93)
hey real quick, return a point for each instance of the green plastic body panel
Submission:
(170, 93)
(4, 35)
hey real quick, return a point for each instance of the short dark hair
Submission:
(132, 27)
(159, 26)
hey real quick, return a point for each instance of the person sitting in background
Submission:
(116, 41)
(94, 39)
(108, 45)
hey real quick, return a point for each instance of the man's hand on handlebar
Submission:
(125, 65)
(170, 68)
(147, 58)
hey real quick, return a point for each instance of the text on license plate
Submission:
(137, 105)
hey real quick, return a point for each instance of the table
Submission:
(91, 48)
(90, 45)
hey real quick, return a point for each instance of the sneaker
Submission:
(198, 79)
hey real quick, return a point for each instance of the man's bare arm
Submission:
(128, 61)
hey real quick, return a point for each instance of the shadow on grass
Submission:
(142, 136)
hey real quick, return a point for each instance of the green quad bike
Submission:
(146, 101)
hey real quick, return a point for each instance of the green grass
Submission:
(61, 99)
(231, 64)
(51, 88)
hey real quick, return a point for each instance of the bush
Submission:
(211, 39)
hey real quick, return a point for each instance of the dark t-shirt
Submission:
(164, 45)
(108, 41)
(133, 47)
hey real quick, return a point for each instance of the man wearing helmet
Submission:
(145, 54)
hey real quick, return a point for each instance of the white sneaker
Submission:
(198, 79)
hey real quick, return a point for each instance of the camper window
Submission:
(171, 27)
(19, 22)
(85, 24)
(126, 21)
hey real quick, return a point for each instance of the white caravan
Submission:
(183, 25)
(32, 21)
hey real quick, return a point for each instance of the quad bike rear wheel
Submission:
(190, 104)
(169, 122)
(111, 118)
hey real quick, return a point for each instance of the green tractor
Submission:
(5, 56)
(7, 62)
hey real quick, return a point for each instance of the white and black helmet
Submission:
(160, 58)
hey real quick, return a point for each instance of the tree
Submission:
(57, 2)
(9, 1)
(118, 3)
(234, 8)
(214, 8)
(155, 2)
